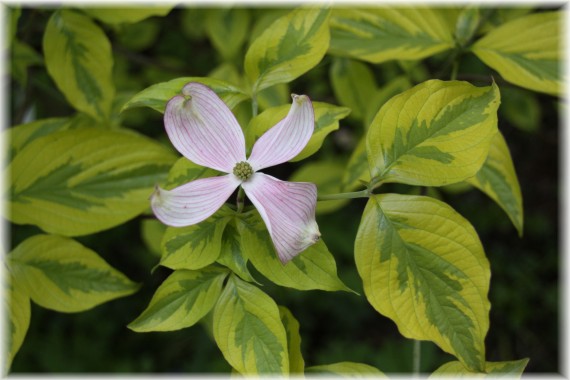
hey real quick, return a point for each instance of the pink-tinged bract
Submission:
(205, 131)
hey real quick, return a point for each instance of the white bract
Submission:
(204, 130)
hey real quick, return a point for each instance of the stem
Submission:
(351, 195)
(417, 354)
(254, 105)
(240, 199)
(454, 68)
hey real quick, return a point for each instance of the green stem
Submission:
(454, 68)
(417, 355)
(351, 195)
(254, 105)
(240, 199)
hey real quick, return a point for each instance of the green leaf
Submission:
(13, 14)
(228, 29)
(296, 361)
(23, 134)
(423, 266)
(434, 134)
(274, 96)
(348, 369)
(78, 58)
(356, 172)
(467, 23)
(23, 56)
(185, 171)
(82, 181)
(248, 330)
(521, 108)
(327, 176)
(291, 46)
(493, 370)
(497, 178)
(526, 51)
(381, 34)
(157, 95)
(353, 85)
(314, 268)
(195, 246)
(152, 232)
(17, 304)
(327, 117)
(60, 274)
(117, 15)
(231, 255)
(385, 93)
(181, 300)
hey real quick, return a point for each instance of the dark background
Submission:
(334, 326)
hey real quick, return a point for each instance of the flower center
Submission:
(243, 170)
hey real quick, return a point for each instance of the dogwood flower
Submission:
(204, 130)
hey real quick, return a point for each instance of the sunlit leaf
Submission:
(423, 266)
(493, 370)
(248, 330)
(526, 51)
(78, 57)
(181, 300)
(434, 134)
(327, 118)
(157, 95)
(381, 34)
(497, 178)
(78, 182)
(313, 268)
(59, 273)
(291, 46)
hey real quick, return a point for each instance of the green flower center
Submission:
(243, 170)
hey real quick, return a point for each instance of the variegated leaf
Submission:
(497, 178)
(78, 57)
(356, 172)
(327, 118)
(116, 15)
(232, 255)
(82, 181)
(17, 304)
(382, 34)
(228, 29)
(526, 51)
(296, 361)
(313, 268)
(157, 95)
(181, 300)
(195, 246)
(59, 273)
(353, 85)
(434, 134)
(248, 330)
(291, 46)
(423, 266)
(493, 370)
(348, 369)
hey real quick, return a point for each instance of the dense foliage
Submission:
(423, 119)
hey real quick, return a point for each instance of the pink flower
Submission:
(205, 131)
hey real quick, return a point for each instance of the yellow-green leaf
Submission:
(327, 176)
(296, 361)
(383, 94)
(248, 330)
(288, 48)
(17, 304)
(157, 95)
(23, 56)
(353, 85)
(195, 246)
(78, 58)
(184, 171)
(181, 300)
(356, 172)
(348, 369)
(227, 29)
(434, 134)
(232, 255)
(313, 268)
(59, 273)
(526, 51)
(327, 117)
(493, 370)
(21, 135)
(382, 34)
(152, 232)
(82, 181)
(423, 266)
(497, 178)
(116, 15)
